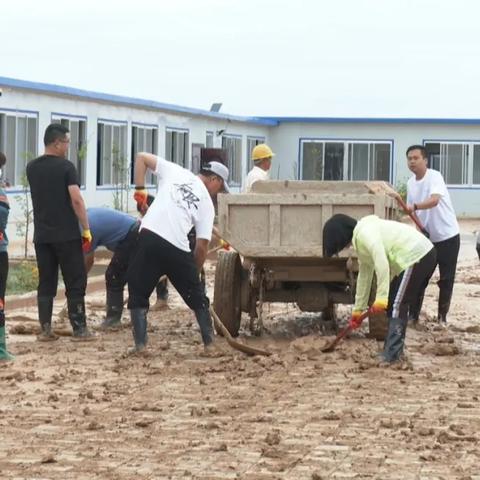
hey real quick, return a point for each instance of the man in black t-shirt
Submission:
(58, 207)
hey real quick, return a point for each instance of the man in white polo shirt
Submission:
(428, 197)
(183, 201)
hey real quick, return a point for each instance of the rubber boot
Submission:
(414, 310)
(205, 323)
(395, 341)
(45, 307)
(78, 320)
(162, 297)
(5, 356)
(113, 318)
(138, 318)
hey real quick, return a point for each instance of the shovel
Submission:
(233, 343)
(330, 347)
(377, 187)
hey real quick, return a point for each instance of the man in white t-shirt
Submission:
(183, 201)
(428, 197)
(262, 161)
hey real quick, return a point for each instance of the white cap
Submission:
(218, 169)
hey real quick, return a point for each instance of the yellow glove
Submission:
(86, 240)
(379, 306)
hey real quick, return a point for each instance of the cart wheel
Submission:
(330, 319)
(227, 291)
(378, 326)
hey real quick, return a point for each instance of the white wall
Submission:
(46, 104)
(285, 140)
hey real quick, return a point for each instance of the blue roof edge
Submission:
(463, 121)
(138, 102)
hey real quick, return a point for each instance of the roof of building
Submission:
(262, 120)
(129, 101)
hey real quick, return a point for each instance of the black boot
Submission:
(205, 323)
(138, 318)
(114, 310)
(45, 307)
(78, 320)
(395, 341)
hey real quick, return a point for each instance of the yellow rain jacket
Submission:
(387, 248)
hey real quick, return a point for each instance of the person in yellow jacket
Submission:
(400, 257)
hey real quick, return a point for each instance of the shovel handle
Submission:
(331, 346)
(414, 218)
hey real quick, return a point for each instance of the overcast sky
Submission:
(399, 58)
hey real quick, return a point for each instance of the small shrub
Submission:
(22, 277)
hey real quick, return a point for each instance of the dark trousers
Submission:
(116, 273)
(155, 257)
(3, 285)
(69, 257)
(405, 288)
(447, 254)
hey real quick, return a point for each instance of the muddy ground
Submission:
(86, 411)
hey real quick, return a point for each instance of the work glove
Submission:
(379, 306)
(225, 245)
(140, 197)
(356, 320)
(86, 241)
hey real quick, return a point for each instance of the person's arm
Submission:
(200, 252)
(372, 249)
(430, 202)
(89, 260)
(143, 162)
(78, 206)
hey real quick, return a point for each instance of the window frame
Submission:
(112, 123)
(150, 179)
(80, 118)
(258, 140)
(232, 181)
(346, 142)
(28, 114)
(471, 143)
(186, 150)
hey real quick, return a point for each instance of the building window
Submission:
(345, 160)
(452, 160)
(112, 163)
(209, 140)
(233, 145)
(77, 150)
(144, 139)
(252, 142)
(176, 146)
(18, 140)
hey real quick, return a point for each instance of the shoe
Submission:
(395, 341)
(113, 317)
(45, 307)
(138, 318)
(205, 323)
(76, 314)
(5, 355)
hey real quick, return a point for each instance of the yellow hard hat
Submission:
(261, 151)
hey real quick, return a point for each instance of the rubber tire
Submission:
(227, 291)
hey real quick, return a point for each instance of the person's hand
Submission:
(409, 209)
(141, 196)
(379, 306)
(225, 245)
(86, 240)
(356, 319)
